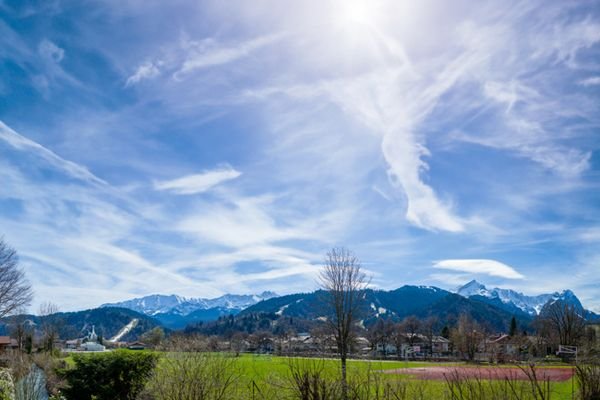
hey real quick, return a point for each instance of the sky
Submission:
(203, 148)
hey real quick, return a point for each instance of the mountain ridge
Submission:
(511, 299)
(159, 303)
(497, 305)
(175, 312)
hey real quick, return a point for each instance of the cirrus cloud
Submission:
(198, 183)
(480, 266)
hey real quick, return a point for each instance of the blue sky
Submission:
(200, 148)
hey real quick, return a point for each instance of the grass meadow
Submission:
(266, 370)
(271, 377)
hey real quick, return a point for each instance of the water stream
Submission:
(32, 386)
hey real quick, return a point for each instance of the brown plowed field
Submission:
(491, 373)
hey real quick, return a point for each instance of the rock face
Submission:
(511, 299)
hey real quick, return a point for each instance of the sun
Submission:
(356, 12)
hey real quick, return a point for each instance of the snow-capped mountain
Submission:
(531, 305)
(172, 304)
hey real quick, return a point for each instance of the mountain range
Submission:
(495, 307)
(514, 301)
(301, 311)
(176, 312)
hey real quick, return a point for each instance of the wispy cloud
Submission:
(591, 81)
(483, 266)
(185, 56)
(50, 51)
(198, 183)
(210, 53)
(20, 142)
(349, 129)
(147, 70)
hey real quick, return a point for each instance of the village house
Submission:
(416, 346)
(4, 342)
(500, 348)
(7, 343)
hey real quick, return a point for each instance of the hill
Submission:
(421, 301)
(108, 321)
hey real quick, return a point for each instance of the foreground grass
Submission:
(267, 376)
(264, 369)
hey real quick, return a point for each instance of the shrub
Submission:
(186, 373)
(117, 375)
(7, 388)
(309, 380)
(588, 377)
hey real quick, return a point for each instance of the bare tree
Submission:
(19, 328)
(345, 285)
(15, 291)
(411, 326)
(430, 327)
(566, 322)
(467, 336)
(376, 335)
(50, 324)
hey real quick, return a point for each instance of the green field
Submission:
(263, 369)
(266, 376)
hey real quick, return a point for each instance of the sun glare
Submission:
(356, 12)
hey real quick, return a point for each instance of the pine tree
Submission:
(513, 327)
(446, 332)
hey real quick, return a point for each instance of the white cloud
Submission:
(482, 266)
(20, 142)
(591, 81)
(50, 51)
(147, 70)
(397, 103)
(198, 183)
(209, 53)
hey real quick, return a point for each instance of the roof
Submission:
(4, 340)
(501, 338)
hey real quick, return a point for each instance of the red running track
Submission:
(491, 373)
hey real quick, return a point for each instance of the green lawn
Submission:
(270, 374)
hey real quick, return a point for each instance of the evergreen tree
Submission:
(446, 332)
(513, 327)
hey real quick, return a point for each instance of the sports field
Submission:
(427, 378)
(271, 377)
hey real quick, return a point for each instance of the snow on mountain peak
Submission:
(532, 305)
(473, 288)
(163, 304)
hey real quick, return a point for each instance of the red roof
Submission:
(4, 340)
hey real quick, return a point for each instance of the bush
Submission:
(309, 380)
(116, 375)
(186, 373)
(7, 388)
(588, 377)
